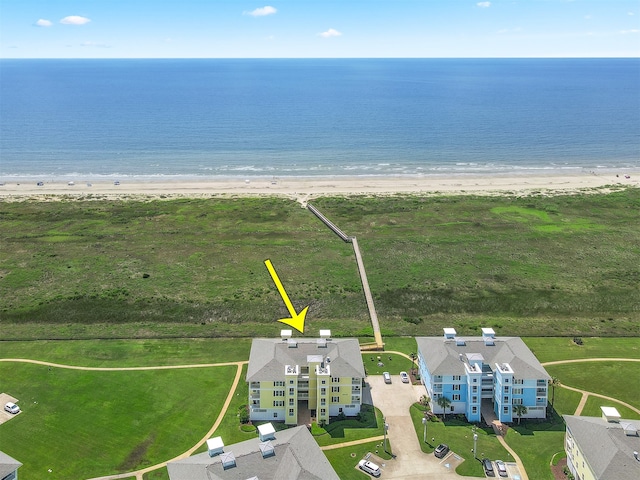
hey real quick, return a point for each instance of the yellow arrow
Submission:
(297, 319)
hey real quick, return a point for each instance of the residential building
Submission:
(482, 373)
(602, 448)
(8, 467)
(290, 454)
(298, 380)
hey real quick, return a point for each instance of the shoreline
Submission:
(301, 187)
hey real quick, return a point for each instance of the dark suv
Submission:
(441, 450)
(488, 467)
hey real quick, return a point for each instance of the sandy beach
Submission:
(303, 188)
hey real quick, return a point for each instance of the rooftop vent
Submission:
(267, 450)
(292, 343)
(228, 460)
(322, 343)
(629, 429)
(449, 333)
(325, 334)
(460, 342)
(215, 446)
(285, 334)
(610, 414)
(291, 369)
(266, 432)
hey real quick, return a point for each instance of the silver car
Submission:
(12, 408)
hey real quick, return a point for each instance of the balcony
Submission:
(541, 391)
(254, 385)
(303, 395)
(355, 390)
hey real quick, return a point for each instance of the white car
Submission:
(369, 467)
(404, 377)
(12, 408)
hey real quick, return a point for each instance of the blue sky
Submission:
(318, 28)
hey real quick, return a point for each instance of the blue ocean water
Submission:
(295, 117)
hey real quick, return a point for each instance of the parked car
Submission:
(369, 467)
(404, 376)
(12, 408)
(441, 450)
(387, 377)
(488, 467)
(502, 468)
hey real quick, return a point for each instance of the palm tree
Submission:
(443, 402)
(519, 410)
(413, 362)
(554, 382)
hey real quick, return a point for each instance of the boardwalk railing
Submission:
(379, 345)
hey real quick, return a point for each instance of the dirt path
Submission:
(578, 360)
(120, 369)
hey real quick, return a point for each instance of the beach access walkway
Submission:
(379, 344)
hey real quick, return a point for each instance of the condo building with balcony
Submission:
(487, 373)
(298, 380)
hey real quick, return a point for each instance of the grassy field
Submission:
(564, 265)
(344, 460)
(71, 418)
(550, 349)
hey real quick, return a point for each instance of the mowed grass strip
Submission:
(82, 424)
(195, 267)
(547, 349)
(619, 380)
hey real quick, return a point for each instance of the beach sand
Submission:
(304, 188)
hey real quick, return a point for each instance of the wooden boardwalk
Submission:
(379, 344)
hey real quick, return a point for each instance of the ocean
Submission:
(172, 119)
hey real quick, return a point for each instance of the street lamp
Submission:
(386, 427)
(475, 442)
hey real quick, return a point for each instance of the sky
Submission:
(318, 28)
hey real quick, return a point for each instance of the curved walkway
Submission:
(138, 474)
(586, 393)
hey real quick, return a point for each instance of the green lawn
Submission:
(536, 444)
(566, 401)
(140, 418)
(349, 430)
(619, 380)
(394, 364)
(344, 460)
(592, 408)
(458, 435)
(549, 349)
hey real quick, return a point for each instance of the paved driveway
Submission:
(410, 463)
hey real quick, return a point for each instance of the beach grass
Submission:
(536, 265)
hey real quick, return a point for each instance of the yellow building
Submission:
(300, 380)
(602, 448)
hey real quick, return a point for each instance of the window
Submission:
(474, 399)
(517, 401)
(323, 411)
(335, 399)
(335, 389)
(278, 403)
(456, 387)
(456, 397)
(474, 389)
(505, 410)
(456, 377)
(275, 414)
(506, 380)
(278, 384)
(323, 382)
(323, 391)
(475, 380)
(518, 381)
(290, 382)
(335, 379)
(278, 393)
(292, 391)
(474, 410)
(505, 400)
(517, 391)
(323, 401)
(506, 389)
(291, 402)
(291, 412)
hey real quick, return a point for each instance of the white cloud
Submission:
(43, 23)
(262, 12)
(484, 4)
(631, 14)
(633, 30)
(330, 33)
(75, 20)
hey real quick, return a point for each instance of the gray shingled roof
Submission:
(297, 457)
(8, 464)
(607, 449)
(269, 356)
(442, 356)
